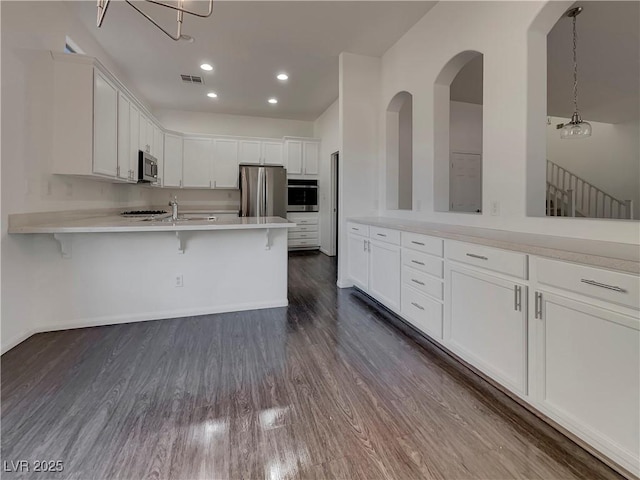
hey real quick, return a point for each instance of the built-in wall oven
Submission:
(302, 196)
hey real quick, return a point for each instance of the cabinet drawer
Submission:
(302, 242)
(615, 287)
(422, 243)
(358, 229)
(309, 235)
(422, 312)
(509, 263)
(304, 228)
(302, 219)
(422, 282)
(423, 262)
(385, 235)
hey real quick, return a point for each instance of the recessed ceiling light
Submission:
(282, 76)
(212, 95)
(273, 100)
(206, 67)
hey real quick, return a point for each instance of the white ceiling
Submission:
(248, 43)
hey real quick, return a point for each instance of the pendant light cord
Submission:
(575, 65)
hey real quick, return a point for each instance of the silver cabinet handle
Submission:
(473, 255)
(417, 281)
(364, 245)
(417, 262)
(354, 228)
(538, 305)
(603, 285)
(417, 305)
(417, 243)
(368, 246)
(517, 298)
(381, 234)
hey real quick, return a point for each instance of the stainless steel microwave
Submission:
(302, 196)
(147, 168)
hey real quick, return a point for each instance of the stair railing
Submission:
(560, 203)
(588, 200)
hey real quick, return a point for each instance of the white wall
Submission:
(241, 125)
(359, 131)
(609, 159)
(29, 31)
(326, 128)
(514, 112)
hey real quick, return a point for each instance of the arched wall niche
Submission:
(399, 152)
(443, 184)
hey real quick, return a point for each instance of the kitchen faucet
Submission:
(174, 208)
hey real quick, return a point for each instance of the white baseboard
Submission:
(326, 252)
(142, 317)
(342, 284)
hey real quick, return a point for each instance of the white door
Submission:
(358, 261)
(272, 153)
(486, 326)
(172, 161)
(105, 126)
(311, 154)
(384, 273)
(293, 153)
(124, 130)
(134, 137)
(196, 164)
(250, 151)
(225, 163)
(158, 146)
(465, 185)
(588, 372)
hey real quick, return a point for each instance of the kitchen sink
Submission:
(186, 217)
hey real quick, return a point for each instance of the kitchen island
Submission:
(103, 268)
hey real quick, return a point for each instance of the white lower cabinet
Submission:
(359, 261)
(384, 273)
(305, 235)
(422, 311)
(486, 324)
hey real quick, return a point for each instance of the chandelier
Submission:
(179, 8)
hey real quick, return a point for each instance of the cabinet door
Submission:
(311, 154)
(158, 145)
(250, 151)
(359, 261)
(172, 161)
(134, 137)
(293, 153)
(225, 163)
(384, 273)
(124, 131)
(196, 165)
(487, 327)
(272, 153)
(105, 126)
(151, 138)
(588, 373)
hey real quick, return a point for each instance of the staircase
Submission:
(571, 196)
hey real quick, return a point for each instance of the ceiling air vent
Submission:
(195, 79)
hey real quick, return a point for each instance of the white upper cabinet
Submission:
(311, 154)
(172, 176)
(225, 163)
(250, 151)
(124, 134)
(158, 152)
(293, 153)
(272, 153)
(134, 148)
(105, 126)
(196, 164)
(302, 157)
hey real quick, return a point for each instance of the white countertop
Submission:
(613, 255)
(75, 222)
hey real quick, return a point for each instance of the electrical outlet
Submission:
(495, 207)
(179, 281)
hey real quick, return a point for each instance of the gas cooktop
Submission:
(143, 213)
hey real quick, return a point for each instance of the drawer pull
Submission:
(417, 243)
(479, 257)
(417, 281)
(603, 285)
(354, 228)
(417, 305)
(381, 234)
(517, 301)
(417, 262)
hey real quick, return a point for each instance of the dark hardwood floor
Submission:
(330, 387)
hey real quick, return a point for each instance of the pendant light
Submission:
(576, 128)
(104, 4)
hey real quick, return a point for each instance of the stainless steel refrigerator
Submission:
(263, 191)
